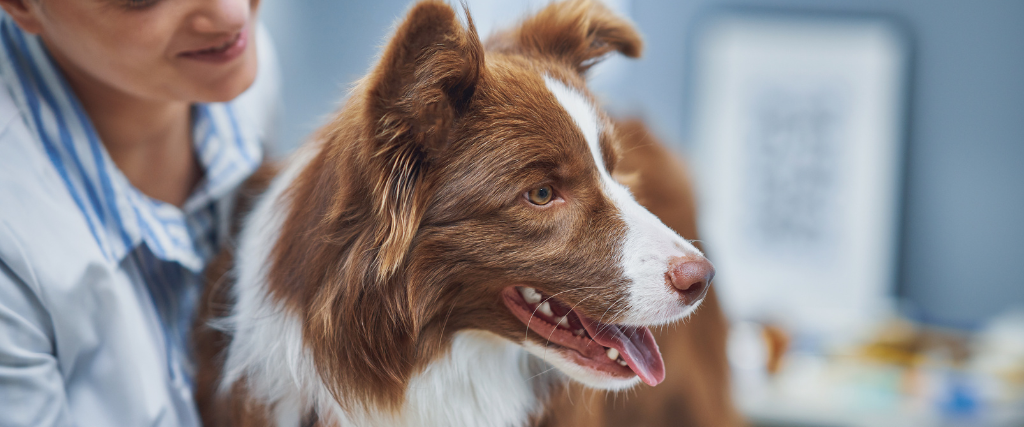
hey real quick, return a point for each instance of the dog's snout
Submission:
(691, 277)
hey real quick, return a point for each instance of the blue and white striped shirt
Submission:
(99, 282)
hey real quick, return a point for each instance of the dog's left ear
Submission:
(578, 32)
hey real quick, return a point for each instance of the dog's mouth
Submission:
(617, 350)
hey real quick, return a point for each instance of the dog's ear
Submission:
(424, 81)
(425, 77)
(579, 32)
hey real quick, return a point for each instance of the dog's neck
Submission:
(480, 380)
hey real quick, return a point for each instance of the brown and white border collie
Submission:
(452, 246)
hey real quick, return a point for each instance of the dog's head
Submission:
(468, 189)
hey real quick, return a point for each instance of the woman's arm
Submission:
(31, 388)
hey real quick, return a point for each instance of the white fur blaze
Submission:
(649, 244)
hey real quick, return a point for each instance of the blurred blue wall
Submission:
(963, 237)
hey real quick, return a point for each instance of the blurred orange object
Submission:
(777, 342)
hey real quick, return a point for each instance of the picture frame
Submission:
(798, 135)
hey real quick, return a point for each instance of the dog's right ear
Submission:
(427, 74)
(424, 81)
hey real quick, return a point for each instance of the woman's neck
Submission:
(149, 140)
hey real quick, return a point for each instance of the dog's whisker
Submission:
(573, 289)
(599, 321)
(553, 330)
(440, 338)
(548, 339)
(526, 335)
(542, 373)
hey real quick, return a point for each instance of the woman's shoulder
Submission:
(43, 238)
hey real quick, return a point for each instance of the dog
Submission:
(452, 246)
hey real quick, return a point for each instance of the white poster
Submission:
(798, 131)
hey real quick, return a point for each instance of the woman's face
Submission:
(170, 50)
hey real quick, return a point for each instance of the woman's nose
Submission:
(221, 16)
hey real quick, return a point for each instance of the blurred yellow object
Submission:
(902, 343)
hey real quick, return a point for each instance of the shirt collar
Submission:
(119, 216)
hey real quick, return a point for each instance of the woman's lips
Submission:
(229, 50)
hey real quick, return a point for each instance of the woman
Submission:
(119, 154)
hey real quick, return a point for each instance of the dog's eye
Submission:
(540, 196)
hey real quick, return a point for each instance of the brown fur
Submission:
(410, 218)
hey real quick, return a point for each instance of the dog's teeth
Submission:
(530, 295)
(563, 322)
(578, 332)
(612, 353)
(545, 309)
(622, 362)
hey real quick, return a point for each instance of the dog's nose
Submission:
(691, 276)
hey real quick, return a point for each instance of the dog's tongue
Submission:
(634, 343)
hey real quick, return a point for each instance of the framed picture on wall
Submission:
(798, 129)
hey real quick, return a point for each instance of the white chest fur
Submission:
(483, 381)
